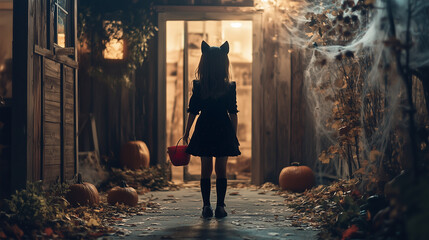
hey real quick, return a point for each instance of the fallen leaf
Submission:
(92, 223)
(48, 231)
(17, 231)
(98, 210)
(349, 232)
(234, 193)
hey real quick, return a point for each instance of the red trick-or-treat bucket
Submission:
(178, 155)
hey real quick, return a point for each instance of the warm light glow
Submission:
(264, 1)
(114, 49)
(115, 46)
(61, 39)
(236, 24)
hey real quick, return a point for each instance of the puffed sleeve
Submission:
(232, 100)
(195, 101)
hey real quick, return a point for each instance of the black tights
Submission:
(221, 182)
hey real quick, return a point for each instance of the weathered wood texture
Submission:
(43, 134)
(51, 173)
(206, 2)
(284, 109)
(269, 103)
(37, 122)
(121, 113)
(58, 121)
(51, 121)
(145, 102)
(275, 113)
(257, 106)
(69, 153)
(284, 123)
(303, 148)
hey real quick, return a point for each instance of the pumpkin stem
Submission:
(79, 178)
(295, 164)
(123, 184)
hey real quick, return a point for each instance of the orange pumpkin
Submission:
(122, 194)
(296, 178)
(135, 155)
(82, 193)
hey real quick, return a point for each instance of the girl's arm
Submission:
(191, 118)
(234, 120)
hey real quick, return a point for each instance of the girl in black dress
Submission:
(215, 131)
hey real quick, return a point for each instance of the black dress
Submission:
(214, 134)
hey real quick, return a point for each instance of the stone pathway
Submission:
(252, 214)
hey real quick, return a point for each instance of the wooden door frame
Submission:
(204, 13)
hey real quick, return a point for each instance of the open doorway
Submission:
(183, 40)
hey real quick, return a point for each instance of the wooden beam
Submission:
(201, 13)
(76, 91)
(22, 93)
(222, 9)
(257, 160)
(58, 58)
(161, 85)
(64, 51)
(51, 23)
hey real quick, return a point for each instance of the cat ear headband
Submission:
(205, 47)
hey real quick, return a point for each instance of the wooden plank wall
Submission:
(286, 130)
(284, 109)
(51, 120)
(46, 104)
(275, 114)
(58, 121)
(121, 112)
(41, 132)
(303, 142)
(269, 102)
(146, 101)
(68, 123)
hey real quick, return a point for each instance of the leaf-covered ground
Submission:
(338, 211)
(37, 212)
(77, 222)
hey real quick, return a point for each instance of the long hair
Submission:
(213, 70)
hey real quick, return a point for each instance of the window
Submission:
(61, 15)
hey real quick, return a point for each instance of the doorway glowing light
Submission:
(236, 24)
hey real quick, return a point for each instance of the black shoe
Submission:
(207, 212)
(220, 212)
